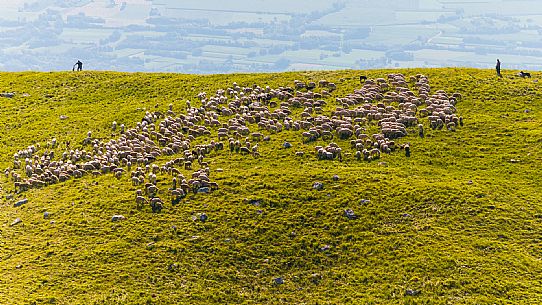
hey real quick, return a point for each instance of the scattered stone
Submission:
(411, 292)
(267, 138)
(349, 213)
(287, 145)
(255, 202)
(18, 266)
(20, 202)
(9, 196)
(325, 248)
(318, 186)
(364, 201)
(316, 278)
(25, 95)
(527, 110)
(278, 281)
(16, 221)
(203, 217)
(385, 164)
(204, 190)
(46, 215)
(469, 182)
(335, 178)
(63, 117)
(406, 215)
(52, 222)
(514, 160)
(118, 218)
(172, 267)
(7, 94)
(219, 170)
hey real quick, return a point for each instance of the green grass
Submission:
(425, 228)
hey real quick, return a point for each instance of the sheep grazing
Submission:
(374, 153)
(242, 116)
(151, 189)
(141, 201)
(156, 204)
(255, 152)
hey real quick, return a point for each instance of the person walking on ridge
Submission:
(498, 68)
(79, 65)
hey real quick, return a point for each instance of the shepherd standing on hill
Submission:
(79, 65)
(498, 68)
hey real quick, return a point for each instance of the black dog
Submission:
(362, 78)
(524, 74)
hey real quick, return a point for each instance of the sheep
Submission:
(156, 204)
(151, 189)
(78, 173)
(244, 150)
(366, 155)
(323, 83)
(161, 134)
(374, 153)
(213, 185)
(256, 136)
(344, 133)
(140, 201)
(255, 152)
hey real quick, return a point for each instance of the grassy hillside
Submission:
(457, 222)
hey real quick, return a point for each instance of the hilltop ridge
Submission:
(455, 221)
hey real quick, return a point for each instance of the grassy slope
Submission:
(459, 243)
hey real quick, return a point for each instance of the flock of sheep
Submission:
(239, 119)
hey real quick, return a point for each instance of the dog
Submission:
(524, 74)
(362, 78)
